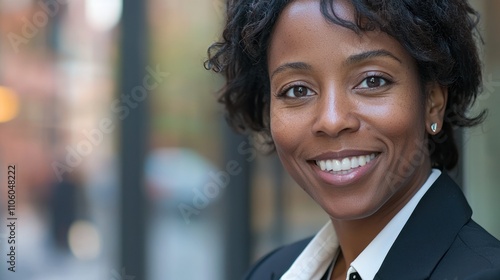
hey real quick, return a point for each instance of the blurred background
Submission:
(125, 168)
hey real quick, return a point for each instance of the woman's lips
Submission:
(343, 171)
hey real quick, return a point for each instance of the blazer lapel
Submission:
(429, 232)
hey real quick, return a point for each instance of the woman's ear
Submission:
(435, 107)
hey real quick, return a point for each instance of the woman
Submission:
(360, 100)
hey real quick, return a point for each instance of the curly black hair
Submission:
(441, 35)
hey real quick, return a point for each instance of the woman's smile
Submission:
(337, 169)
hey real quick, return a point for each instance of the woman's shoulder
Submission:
(273, 265)
(473, 252)
(475, 240)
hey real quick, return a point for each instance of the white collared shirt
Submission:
(313, 262)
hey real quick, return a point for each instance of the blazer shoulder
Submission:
(474, 254)
(481, 243)
(491, 274)
(273, 265)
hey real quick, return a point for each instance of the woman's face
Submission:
(348, 115)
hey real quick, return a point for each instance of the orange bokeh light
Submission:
(9, 104)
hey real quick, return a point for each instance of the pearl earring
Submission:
(434, 127)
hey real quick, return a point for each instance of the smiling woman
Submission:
(360, 100)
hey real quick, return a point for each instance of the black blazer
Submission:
(439, 241)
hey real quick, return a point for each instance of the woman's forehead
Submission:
(303, 32)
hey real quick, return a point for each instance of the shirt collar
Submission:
(312, 263)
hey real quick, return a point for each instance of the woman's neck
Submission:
(355, 235)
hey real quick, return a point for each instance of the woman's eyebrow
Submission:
(356, 58)
(353, 59)
(291, 65)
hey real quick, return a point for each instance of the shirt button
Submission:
(354, 276)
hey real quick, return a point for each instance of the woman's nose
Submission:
(335, 114)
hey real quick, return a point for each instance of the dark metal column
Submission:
(133, 139)
(279, 200)
(238, 235)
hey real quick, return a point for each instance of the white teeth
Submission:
(329, 165)
(344, 164)
(362, 161)
(322, 165)
(354, 162)
(337, 165)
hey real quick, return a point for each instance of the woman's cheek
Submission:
(286, 130)
(396, 118)
(279, 132)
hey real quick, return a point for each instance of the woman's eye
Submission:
(298, 91)
(373, 82)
